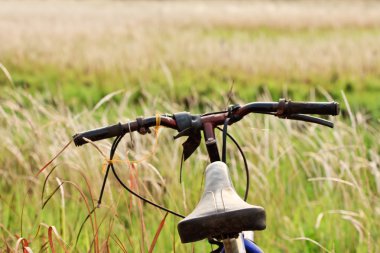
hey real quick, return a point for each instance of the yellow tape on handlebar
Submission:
(158, 123)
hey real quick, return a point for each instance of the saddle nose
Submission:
(220, 212)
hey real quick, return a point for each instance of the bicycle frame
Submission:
(240, 245)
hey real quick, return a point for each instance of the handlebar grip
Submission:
(321, 108)
(98, 134)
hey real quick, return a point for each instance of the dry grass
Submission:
(319, 186)
(253, 37)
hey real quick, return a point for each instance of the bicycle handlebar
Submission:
(321, 108)
(98, 134)
(286, 108)
(140, 125)
(282, 109)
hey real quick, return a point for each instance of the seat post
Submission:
(234, 245)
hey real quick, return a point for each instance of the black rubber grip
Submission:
(321, 108)
(98, 134)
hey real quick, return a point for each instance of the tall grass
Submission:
(257, 38)
(320, 187)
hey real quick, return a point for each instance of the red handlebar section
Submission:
(187, 122)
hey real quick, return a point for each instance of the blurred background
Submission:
(69, 66)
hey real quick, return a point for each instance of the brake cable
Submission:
(111, 166)
(224, 137)
(112, 153)
(244, 160)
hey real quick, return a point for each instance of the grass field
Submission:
(86, 50)
(320, 187)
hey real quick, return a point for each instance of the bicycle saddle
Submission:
(221, 212)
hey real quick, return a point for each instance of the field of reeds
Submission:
(70, 66)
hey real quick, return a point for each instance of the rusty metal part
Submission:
(141, 127)
(281, 109)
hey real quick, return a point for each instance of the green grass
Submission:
(247, 33)
(79, 90)
(285, 159)
(320, 187)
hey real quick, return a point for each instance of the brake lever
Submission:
(310, 119)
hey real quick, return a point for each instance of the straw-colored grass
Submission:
(320, 187)
(255, 37)
(85, 50)
(69, 66)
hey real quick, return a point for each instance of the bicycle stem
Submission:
(211, 144)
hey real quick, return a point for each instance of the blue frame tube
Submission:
(250, 247)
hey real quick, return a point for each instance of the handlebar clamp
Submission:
(185, 121)
(233, 117)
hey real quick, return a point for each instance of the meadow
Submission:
(70, 66)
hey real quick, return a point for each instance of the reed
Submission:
(320, 187)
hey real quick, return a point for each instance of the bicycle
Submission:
(221, 215)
